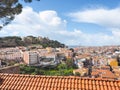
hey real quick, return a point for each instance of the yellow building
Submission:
(113, 62)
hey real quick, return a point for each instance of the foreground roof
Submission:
(36, 82)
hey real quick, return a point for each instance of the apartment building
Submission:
(49, 59)
(10, 54)
(30, 57)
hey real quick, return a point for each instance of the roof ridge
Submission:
(71, 77)
(40, 82)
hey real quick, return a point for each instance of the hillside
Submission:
(12, 41)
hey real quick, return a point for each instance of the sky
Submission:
(72, 22)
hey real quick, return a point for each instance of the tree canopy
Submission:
(13, 41)
(8, 10)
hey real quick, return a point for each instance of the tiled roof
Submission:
(103, 73)
(36, 82)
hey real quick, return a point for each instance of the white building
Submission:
(30, 57)
(48, 59)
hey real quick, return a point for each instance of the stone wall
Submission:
(11, 69)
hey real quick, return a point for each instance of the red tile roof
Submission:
(36, 82)
(103, 73)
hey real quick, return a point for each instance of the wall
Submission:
(10, 69)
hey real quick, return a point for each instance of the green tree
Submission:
(62, 66)
(11, 41)
(68, 72)
(77, 74)
(70, 63)
(8, 10)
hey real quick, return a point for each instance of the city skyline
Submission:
(85, 22)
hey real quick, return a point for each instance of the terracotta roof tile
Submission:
(98, 87)
(104, 83)
(117, 88)
(105, 87)
(36, 82)
(97, 82)
(87, 87)
(109, 88)
(90, 86)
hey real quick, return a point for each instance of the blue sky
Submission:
(72, 22)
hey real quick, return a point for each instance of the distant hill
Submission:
(12, 41)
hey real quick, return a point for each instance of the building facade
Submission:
(30, 57)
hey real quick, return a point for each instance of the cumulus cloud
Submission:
(48, 23)
(30, 22)
(101, 16)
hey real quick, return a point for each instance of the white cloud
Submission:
(49, 24)
(100, 16)
(30, 22)
(50, 17)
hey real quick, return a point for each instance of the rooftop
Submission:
(104, 74)
(37, 82)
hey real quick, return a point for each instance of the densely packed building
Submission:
(98, 68)
(100, 61)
